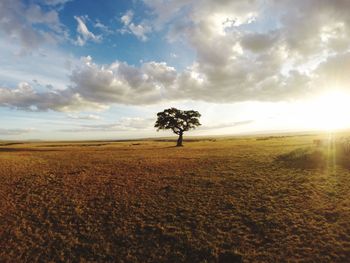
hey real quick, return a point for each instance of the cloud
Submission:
(127, 17)
(139, 30)
(24, 97)
(102, 27)
(125, 124)
(122, 83)
(240, 123)
(83, 32)
(226, 125)
(30, 25)
(45, 69)
(258, 42)
(333, 72)
(91, 117)
(55, 2)
(245, 51)
(13, 132)
(196, 12)
(95, 87)
(155, 82)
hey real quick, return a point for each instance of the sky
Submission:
(87, 69)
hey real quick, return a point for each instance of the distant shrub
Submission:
(343, 153)
(318, 142)
(344, 146)
(304, 158)
(265, 138)
(344, 161)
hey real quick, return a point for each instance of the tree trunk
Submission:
(179, 140)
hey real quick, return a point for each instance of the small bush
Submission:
(342, 153)
(304, 158)
(343, 158)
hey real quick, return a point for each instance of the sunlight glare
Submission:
(330, 110)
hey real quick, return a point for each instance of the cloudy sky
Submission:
(86, 69)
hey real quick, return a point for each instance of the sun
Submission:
(331, 110)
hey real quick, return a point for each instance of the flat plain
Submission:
(248, 199)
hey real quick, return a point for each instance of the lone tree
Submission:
(178, 121)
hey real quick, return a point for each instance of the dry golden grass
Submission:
(225, 200)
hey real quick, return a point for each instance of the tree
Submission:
(178, 121)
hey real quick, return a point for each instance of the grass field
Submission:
(220, 200)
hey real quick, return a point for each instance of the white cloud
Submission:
(84, 34)
(334, 72)
(91, 117)
(102, 27)
(30, 25)
(98, 86)
(240, 56)
(254, 50)
(139, 30)
(43, 69)
(24, 97)
(127, 18)
(122, 83)
(95, 87)
(125, 124)
(15, 132)
(225, 125)
(218, 14)
(55, 2)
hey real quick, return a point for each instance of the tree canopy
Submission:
(178, 121)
